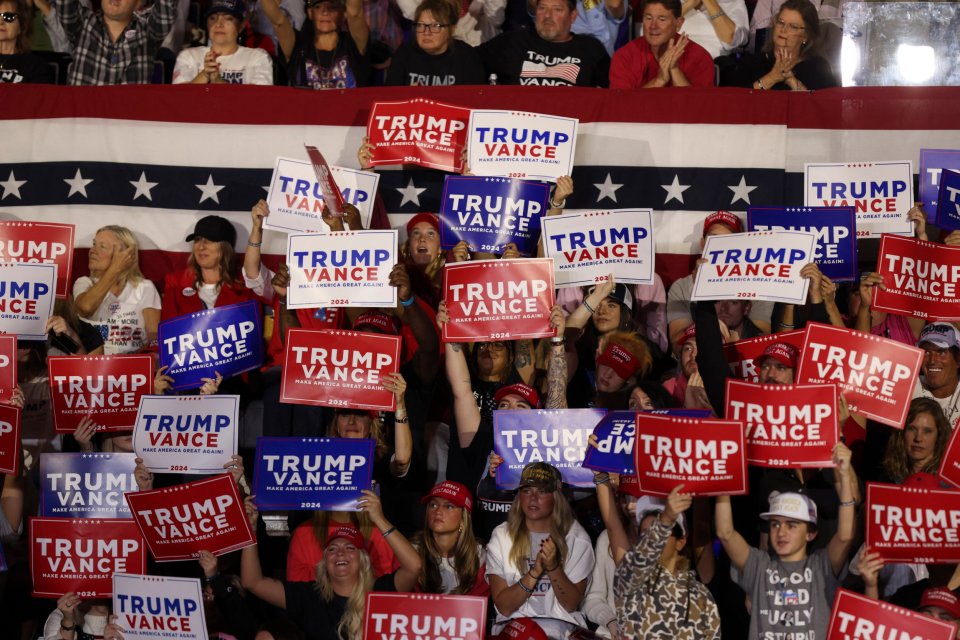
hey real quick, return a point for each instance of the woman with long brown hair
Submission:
(919, 446)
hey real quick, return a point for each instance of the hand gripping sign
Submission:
(326, 474)
(913, 524)
(740, 355)
(342, 269)
(296, 197)
(787, 425)
(40, 242)
(498, 299)
(615, 435)
(8, 367)
(706, 456)
(430, 134)
(881, 193)
(158, 607)
(763, 265)
(179, 522)
(81, 556)
(425, 616)
(488, 213)
(187, 434)
(855, 616)
(555, 436)
(9, 438)
(835, 228)
(587, 247)
(517, 144)
(921, 279)
(339, 369)
(106, 388)
(26, 299)
(86, 485)
(932, 164)
(876, 375)
(225, 340)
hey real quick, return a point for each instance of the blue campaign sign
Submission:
(488, 213)
(556, 436)
(835, 228)
(948, 201)
(86, 485)
(324, 474)
(932, 164)
(614, 450)
(225, 340)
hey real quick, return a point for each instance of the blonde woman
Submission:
(116, 298)
(540, 560)
(331, 607)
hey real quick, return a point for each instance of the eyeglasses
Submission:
(8, 16)
(795, 28)
(434, 27)
(492, 346)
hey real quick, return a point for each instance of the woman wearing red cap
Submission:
(453, 561)
(622, 358)
(310, 538)
(330, 607)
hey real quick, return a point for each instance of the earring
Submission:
(460, 528)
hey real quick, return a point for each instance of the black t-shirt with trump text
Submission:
(18, 68)
(412, 66)
(523, 57)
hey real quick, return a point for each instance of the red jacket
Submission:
(180, 297)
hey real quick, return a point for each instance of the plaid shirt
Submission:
(99, 61)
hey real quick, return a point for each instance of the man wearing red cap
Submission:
(679, 316)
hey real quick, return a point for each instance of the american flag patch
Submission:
(566, 71)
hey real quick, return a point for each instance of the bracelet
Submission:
(524, 587)
(601, 478)
(848, 503)
(409, 301)
(388, 531)
(558, 205)
(73, 628)
(784, 325)
(716, 16)
(403, 420)
(545, 570)
(557, 340)
(254, 244)
(589, 308)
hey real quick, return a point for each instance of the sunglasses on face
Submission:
(8, 16)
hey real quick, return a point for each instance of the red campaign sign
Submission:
(787, 425)
(179, 522)
(921, 279)
(741, 354)
(856, 616)
(388, 616)
(707, 456)
(339, 369)
(332, 197)
(106, 388)
(430, 134)
(46, 242)
(81, 555)
(913, 524)
(876, 375)
(498, 299)
(9, 438)
(950, 462)
(8, 367)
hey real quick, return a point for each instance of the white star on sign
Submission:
(410, 193)
(78, 184)
(11, 186)
(608, 189)
(209, 191)
(674, 190)
(741, 191)
(143, 187)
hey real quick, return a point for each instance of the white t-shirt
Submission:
(697, 25)
(119, 319)
(244, 66)
(543, 603)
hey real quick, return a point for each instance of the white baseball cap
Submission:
(794, 506)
